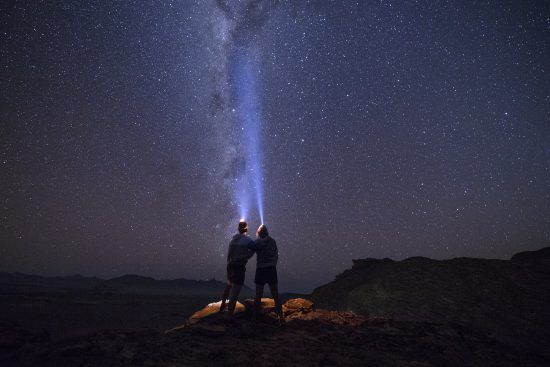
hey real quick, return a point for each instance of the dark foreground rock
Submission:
(504, 300)
(310, 337)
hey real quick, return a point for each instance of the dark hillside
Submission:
(504, 299)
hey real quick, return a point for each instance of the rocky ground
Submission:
(310, 337)
(415, 312)
(506, 300)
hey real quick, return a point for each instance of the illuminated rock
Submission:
(268, 305)
(297, 305)
(212, 309)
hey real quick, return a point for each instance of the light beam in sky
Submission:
(245, 72)
(236, 101)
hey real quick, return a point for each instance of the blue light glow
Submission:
(247, 102)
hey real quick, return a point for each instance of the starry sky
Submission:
(134, 133)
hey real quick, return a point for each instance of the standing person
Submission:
(238, 255)
(267, 256)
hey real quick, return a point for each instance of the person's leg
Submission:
(258, 299)
(225, 296)
(278, 306)
(233, 295)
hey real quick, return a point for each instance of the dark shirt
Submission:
(239, 249)
(266, 250)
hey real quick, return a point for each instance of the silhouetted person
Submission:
(267, 256)
(238, 255)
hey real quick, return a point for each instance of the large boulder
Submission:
(297, 306)
(210, 310)
(209, 318)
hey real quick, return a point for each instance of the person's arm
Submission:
(230, 252)
(252, 245)
(251, 248)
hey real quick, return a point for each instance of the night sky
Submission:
(135, 134)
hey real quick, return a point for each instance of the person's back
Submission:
(239, 249)
(267, 256)
(238, 254)
(267, 253)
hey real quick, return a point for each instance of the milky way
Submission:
(133, 134)
(237, 97)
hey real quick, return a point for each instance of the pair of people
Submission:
(242, 248)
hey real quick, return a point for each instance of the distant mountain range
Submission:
(127, 284)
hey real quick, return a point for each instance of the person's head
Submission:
(262, 231)
(243, 227)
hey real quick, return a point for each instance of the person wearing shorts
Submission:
(237, 257)
(267, 256)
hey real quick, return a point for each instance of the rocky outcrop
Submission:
(415, 312)
(294, 309)
(506, 300)
(539, 258)
(310, 337)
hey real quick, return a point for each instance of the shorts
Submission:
(235, 273)
(266, 275)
